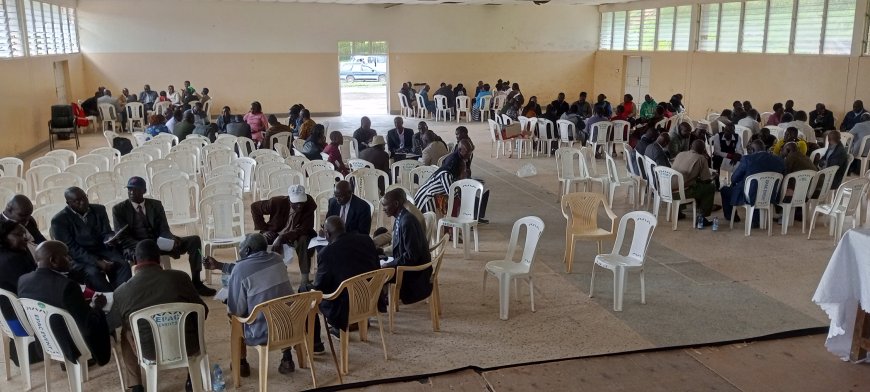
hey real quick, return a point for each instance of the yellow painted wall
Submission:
(27, 91)
(711, 81)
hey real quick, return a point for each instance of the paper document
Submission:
(317, 241)
(165, 244)
(117, 233)
(387, 261)
(289, 254)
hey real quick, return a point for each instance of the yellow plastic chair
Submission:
(581, 211)
(363, 292)
(434, 298)
(290, 321)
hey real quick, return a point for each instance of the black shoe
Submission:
(319, 348)
(707, 222)
(204, 290)
(335, 332)
(483, 221)
(188, 386)
(244, 368)
(136, 388)
(287, 366)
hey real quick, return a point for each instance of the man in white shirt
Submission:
(749, 121)
(174, 96)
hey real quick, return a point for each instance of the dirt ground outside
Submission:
(363, 98)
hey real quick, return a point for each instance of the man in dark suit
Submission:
(347, 255)
(152, 285)
(49, 284)
(835, 155)
(354, 212)
(20, 210)
(84, 227)
(144, 219)
(400, 140)
(758, 160)
(409, 247)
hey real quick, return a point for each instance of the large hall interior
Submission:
(506, 195)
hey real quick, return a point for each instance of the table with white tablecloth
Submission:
(844, 286)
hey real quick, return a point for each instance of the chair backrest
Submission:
(128, 169)
(263, 175)
(599, 131)
(256, 154)
(179, 196)
(187, 161)
(620, 131)
(50, 195)
(98, 161)
(281, 138)
(19, 315)
(247, 165)
(485, 102)
(849, 195)
(420, 103)
(263, 159)
(151, 150)
(534, 229)
(566, 129)
(403, 101)
(298, 162)
(36, 177)
(282, 150)
(101, 177)
(356, 164)
(366, 184)
(222, 188)
(168, 325)
(581, 210)
(49, 161)
(363, 292)
(218, 158)
(345, 148)
(68, 157)
(288, 318)
(649, 167)
(312, 167)
(226, 170)
(776, 131)
(163, 142)
(104, 192)
(283, 177)
(161, 177)
(462, 103)
(566, 168)
(440, 102)
(399, 171)
(823, 181)
(135, 111)
(468, 190)
(65, 180)
(862, 148)
(670, 182)
(817, 154)
(159, 165)
(767, 184)
(160, 107)
(498, 102)
(107, 111)
(418, 176)
(612, 170)
(113, 155)
(644, 225)
(801, 189)
(38, 314)
(226, 215)
(323, 180)
(494, 130)
(140, 157)
(546, 130)
(12, 167)
(846, 139)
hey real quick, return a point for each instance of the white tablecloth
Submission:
(845, 285)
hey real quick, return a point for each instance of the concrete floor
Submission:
(702, 287)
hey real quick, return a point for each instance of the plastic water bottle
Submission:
(699, 223)
(716, 224)
(217, 379)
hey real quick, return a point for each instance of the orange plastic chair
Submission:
(434, 298)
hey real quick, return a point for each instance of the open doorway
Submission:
(362, 74)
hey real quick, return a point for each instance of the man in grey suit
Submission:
(144, 219)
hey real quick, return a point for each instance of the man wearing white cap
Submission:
(291, 222)
(376, 154)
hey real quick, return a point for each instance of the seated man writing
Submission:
(145, 219)
(410, 247)
(695, 168)
(291, 222)
(84, 228)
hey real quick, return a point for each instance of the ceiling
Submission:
(464, 2)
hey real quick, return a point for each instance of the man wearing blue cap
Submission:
(138, 218)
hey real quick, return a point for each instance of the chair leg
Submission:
(786, 218)
(465, 239)
(74, 375)
(532, 293)
(803, 221)
(264, 367)
(476, 239)
(363, 331)
(7, 358)
(642, 288)
(344, 337)
(674, 212)
(516, 290)
(433, 310)
(47, 363)
(195, 375)
(236, 352)
(332, 350)
(812, 224)
(391, 300)
(310, 354)
(619, 288)
(504, 295)
(383, 338)
(592, 282)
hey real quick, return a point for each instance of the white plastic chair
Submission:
(47, 160)
(38, 314)
(598, 135)
(508, 270)
(422, 111)
(168, 323)
(179, 197)
(226, 170)
(43, 214)
(312, 167)
(226, 140)
(101, 177)
(281, 138)
(620, 131)
(139, 138)
(186, 160)
(104, 192)
(323, 180)
(845, 204)
(469, 191)
(110, 136)
(823, 181)
(566, 132)
(141, 157)
(151, 150)
(282, 150)
(863, 155)
(135, 116)
(68, 157)
(223, 222)
(615, 180)
(418, 176)
(484, 107)
(644, 225)
(570, 170)
(98, 161)
(36, 176)
(21, 342)
(671, 184)
(65, 180)
(159, 165)
(767, 184)
(366, 186)
(262, 178)
(345, 148)
(128, 169)
(498, 103)
(248, 166)
(801, 192)
(356, 164)
(50, 195)
(12, 167)
(162, 177)
(256, 154)
(406, 110)
(217, 158)
(109, 116)
(283, 178)
(113, 155)
(245, 146)
(163, 142)
(497, 143)
(462, 107)
(399, 171)
(298, 162)
(222, 188)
